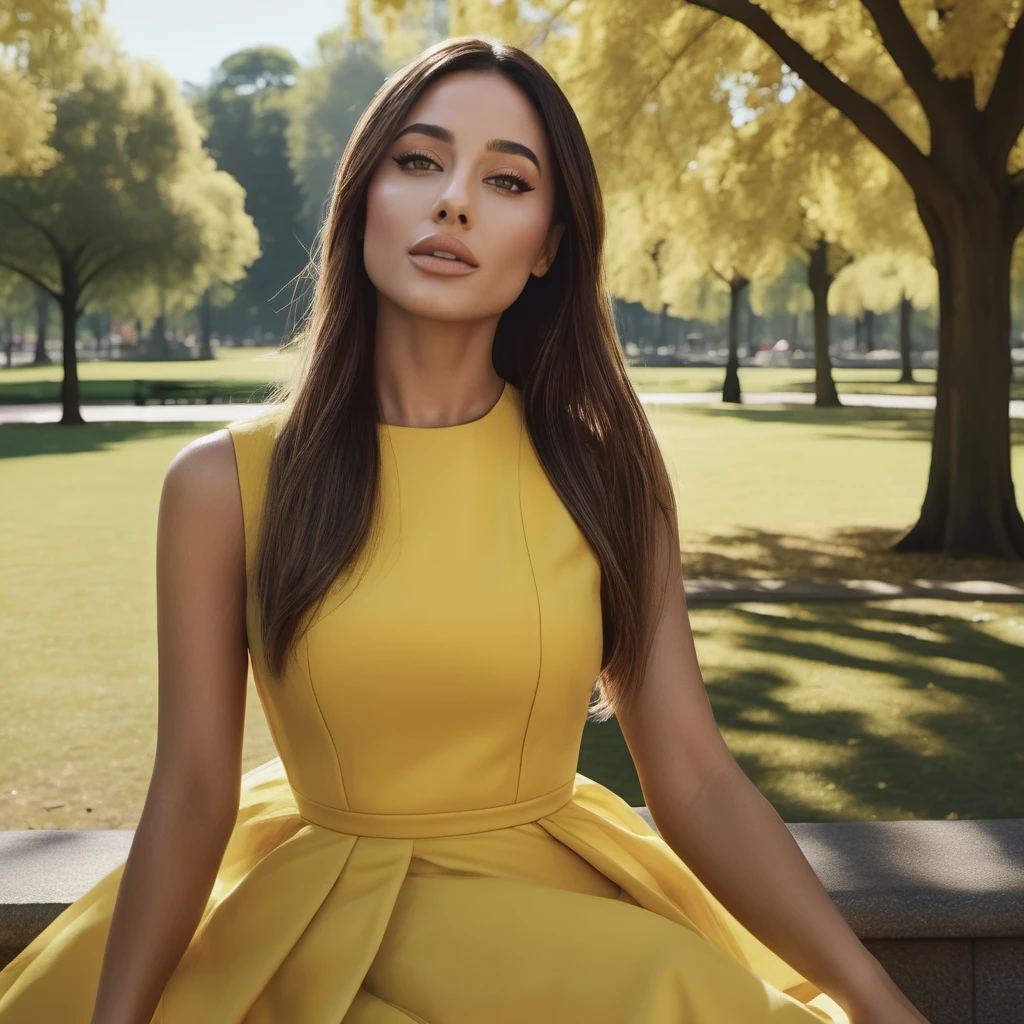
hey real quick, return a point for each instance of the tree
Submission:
(936, 86)
(245, 113)
(960, 151)
(328, 98)
(887, 280)
(126, 203)
(41, 44)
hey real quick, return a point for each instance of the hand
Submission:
(896, 1010)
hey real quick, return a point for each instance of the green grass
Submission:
(240, 372)
(861, 710)
(808, 696)
(795, 492)
(779, 378)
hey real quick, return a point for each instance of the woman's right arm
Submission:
(192, 801)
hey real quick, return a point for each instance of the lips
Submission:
(444, 243)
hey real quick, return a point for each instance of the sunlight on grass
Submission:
(856, 710)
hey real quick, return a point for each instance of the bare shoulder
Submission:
(201, 488)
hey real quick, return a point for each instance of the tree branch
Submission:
(1004, 112)
(673, 59)
(873, 122)
(92, 253)
(719, 275)
(41, 228)
(31, 277)
(105, 265)
(907, 49)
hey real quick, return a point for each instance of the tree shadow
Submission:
(971, 766)
(853, 552)
(857, 422)
(24, 440)
(956, 694)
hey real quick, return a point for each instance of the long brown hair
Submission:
(557, 343)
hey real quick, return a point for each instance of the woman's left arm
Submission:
(717, 821)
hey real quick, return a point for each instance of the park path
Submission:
(223, 412)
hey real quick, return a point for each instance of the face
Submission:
(440, 178)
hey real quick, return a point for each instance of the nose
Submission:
(453, 201)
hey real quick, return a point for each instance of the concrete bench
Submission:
(939, 903)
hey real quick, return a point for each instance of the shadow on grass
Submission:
(857, 422)
(113, 390)
(959, 754)
(23, 440)
(853, 552)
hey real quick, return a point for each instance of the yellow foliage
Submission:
(41, 46)
(714, 159)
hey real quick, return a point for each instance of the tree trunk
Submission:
(69, 329)
(42, 357)
(205, 326)
(820, 281)
(9, 339)
(972, 209)
(869, 329)
(158, 338)
(751, 328)
(906, 319)
(661, 327)
(970, 508)
(731, 387)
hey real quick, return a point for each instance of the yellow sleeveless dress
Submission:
(423, 849)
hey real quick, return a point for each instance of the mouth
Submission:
(445, 266)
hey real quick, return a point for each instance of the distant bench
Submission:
(143, 390)
(940, 904)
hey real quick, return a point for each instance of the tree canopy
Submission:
(133, 202)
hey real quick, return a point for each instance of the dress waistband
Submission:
(433, 824)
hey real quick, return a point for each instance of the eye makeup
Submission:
(412, 155)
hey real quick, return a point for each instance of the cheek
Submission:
(521, 243)
(385, 212)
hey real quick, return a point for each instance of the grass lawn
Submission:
(780, 378)
(244, 370)
(239, 373)
(860, 710)
(794, 492)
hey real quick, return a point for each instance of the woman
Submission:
(455, 522)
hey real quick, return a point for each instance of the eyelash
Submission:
(524, 185)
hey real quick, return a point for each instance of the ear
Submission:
(546, 256)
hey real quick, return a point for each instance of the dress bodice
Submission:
(443, 686)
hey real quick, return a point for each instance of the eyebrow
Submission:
(492, 145)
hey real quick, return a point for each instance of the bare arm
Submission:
(717, 821)
(193, 793)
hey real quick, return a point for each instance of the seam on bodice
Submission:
(343, 796)
(536, 593)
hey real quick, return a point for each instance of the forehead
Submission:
(477, 105)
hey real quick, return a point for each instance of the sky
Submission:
(191, 37)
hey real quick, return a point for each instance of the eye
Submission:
(407, 158)
(522, 185)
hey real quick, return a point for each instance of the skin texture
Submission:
(433, 368)
(434, 334)
(193, 793)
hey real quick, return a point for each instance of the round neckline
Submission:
(454, 426)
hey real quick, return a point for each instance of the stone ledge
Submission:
(940, 904)
(919, 879)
